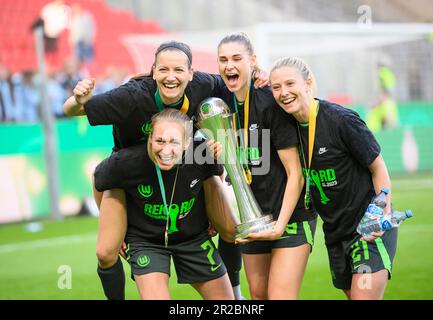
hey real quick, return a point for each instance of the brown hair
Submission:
(171, 46)
(240, 38)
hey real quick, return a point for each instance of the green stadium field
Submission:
(30, 261)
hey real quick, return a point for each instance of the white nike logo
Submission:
(254, 126)
(323, 150)
(194, 182)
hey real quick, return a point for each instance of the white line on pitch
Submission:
(50, 242)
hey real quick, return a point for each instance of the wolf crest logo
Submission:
(143, 261)
(145, 191)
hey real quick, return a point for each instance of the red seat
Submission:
(17, 44)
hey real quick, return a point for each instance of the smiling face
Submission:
(172, 74)
(166, 143)
(290, 89)
(235, 65)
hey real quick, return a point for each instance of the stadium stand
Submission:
(17, 49)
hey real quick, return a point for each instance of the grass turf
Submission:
(30, 261)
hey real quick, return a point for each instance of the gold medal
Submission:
(314, 105)
(243, 145)
(307, 200)
(248, 176)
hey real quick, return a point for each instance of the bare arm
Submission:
(218, 208)
(380, 177)
(83, 92)
(295, 181)
(290, 159)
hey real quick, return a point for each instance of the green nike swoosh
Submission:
(212, 268)
(360, 265)
(283, 237)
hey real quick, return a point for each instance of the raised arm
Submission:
(83, 92)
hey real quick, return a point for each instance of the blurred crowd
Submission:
(56, 17)
(384, 113)
(20, 94)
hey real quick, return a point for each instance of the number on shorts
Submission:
(356, 247)
(208, 245)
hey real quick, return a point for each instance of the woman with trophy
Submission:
(166, 210)
(268, 148)
(344, 171)
(129, 108)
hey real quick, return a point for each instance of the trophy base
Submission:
(261, 224)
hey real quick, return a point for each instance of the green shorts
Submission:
(359, 256)
(195, 260)
(295, 235)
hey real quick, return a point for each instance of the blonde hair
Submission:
(299, 65)
(171, 114)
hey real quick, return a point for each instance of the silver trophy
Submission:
(215, 122)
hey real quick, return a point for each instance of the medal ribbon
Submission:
(167, 208)
(160, 103)
(243, 140)
(314, 109)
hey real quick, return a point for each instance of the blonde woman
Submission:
(166, 210)
(344, 170)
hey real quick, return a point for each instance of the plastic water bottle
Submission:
(383, 222)
(379, 202)
(380, 199)
(375, 208)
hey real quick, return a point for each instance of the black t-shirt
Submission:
(269, 129)
(130, 107)
(300, 208)
(132, 170)
(341, 183)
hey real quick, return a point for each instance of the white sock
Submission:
(238, 293)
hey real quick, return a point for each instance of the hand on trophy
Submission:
(215, 148)
(266, 235)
